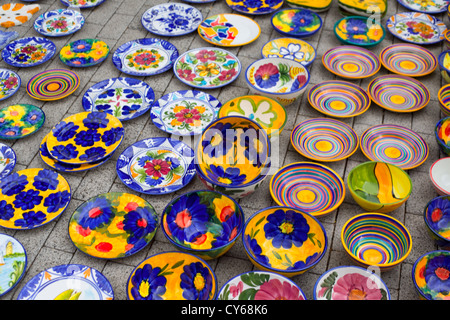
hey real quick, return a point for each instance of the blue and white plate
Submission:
(6, 37)
(82, 4)
(145, 57)
(28, 52)
(68, 282)
(124, 98)
(185, 112)
(172, 19)
(9, 83)
(156, 165)
(59, 23)
(7, 161)
(14, 258)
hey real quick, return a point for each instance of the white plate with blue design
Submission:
(59, 23)
(28, 52)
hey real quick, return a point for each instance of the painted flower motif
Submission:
(229, 176)
(96, 213)
(196, 282)
(10, 131)
(286, 228)
(173, 162)
(64, 152)
(206, 55)
(87, 138)
(299, 82)
(11, 82)
(27, 200)
(235, 290)
(111, 136)
(28, 49)
(153, 181)
(186, 74)
(6, 210)
(267, 76)
(56, 201)
(93, 154)
(23, 57)
(95, 120)
(229, 229)
(292, 52)
(59, 24)
(45, 180)
(30, 219)
(227, 75)
(208, 69)
(253, 3)
(439, 218)
(33, 117)
(80, 46)
(147, 284)
(157, 168)
(64, 131)
(256, 250)
(137, 225)
(355, 286)
(218, 140)
(356, 27)
(146, 58)
(274, 289)
(421, 28)
(437, 274)
(254, 147)
(301, 19)
(13, 184)
(188, 115)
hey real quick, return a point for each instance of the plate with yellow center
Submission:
(359, 31)
(53, 84)
(84, 53)
(20, 120)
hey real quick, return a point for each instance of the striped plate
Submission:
(53, 84)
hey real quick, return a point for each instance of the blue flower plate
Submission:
(28, 52)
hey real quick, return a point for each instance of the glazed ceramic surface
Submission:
(442, 134)
(440, 175)
(172, 276)
(28, 52)
(6, 37)
(359, 31)
(53, 84)
(14, 263)
(113, 225)
(59, 23)
(82, 4)
(156, 165)
(428, 6)
(15, 14)
(444, 65)
(7, 161)
(300, 23)
(255, 7)
(430, 275)
(313, 5)
(365, 8)
(84, 53)
(437, 220)
(9, 83)
(68, 282)
(20, 120)
(290, 48)
(284, 240)
(444, 100)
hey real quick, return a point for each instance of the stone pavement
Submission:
(119, 21)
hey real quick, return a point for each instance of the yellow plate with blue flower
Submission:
(84, 53)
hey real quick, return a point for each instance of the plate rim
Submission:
(38, 27)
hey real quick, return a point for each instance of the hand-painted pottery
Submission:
(350, 283)
(113, 225)
(395, 145)
(442, 134)
(430, 275)
(447, 39)
(31, 198)
(68, 282)
(284, 240)
(13, 258)
(255, 7)
(290, 48)
(444, 65)
(85, 137)
(398, 93)
(280, 79)
(184, 112)
(359, 31)
(308, 186)
(207, 68)
(416, 27)
(351, 62)
(379, 186)
(15, 14)
(444, 100)
(313, 5)
(203, 223)
(82, 4)
(9, 83)
(156, 166)
(260, 285)
(427, 6)
(6, 37)
(171, 19)
(437, 220)
(28, 52)
(20, 120)
(84, 53)
(53, 84)
(324, 140)
(7, 161)
(172, 276)
(376, 240)
(229, 30)
(59, 23)
(145, 57)
(440, 175)
(125, 98)
(300, 23)
(268, 113)
(366, 8)
(199, 1)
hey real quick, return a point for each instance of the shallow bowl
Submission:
(442, 134)
(437, 220)
(444, 100)
(440, 175)
(359, 31)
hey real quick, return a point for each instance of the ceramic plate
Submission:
(351, 62)
(171, 19)
(229, 30)
(398, 93)
(324, 140)
(7, 161)
(20, 120)
(359, 31)
(31, 198)
(59, 23)
(299, 23)
(124, 98)
(255, 7)
(290, 48)
(53, 84)
(156, 166)
(13, 259)
(84, 53)
(429, 6)
(15, 14)
(82, 4)
(145, 57)
(184, 112)
(207, 68)
(68, 282)
(395, 145)
(28, 52)
(9, 83)
(416, 27)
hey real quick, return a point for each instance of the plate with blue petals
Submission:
(59, 23)
(9, 83)
(28, 52)
(255, 7)
(7, 160)
(82, 4)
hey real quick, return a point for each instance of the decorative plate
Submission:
(299, 23)
(313, 5)
(59, 23)
(351, 62)
(365, 8)
(171, 19)
(6, 37)
(184, 112)
(85, 137)
(229, 30)
(156, 166)
(428, 6)
(340, 99)
(394, 144)
(53, 84)
(20, 120)
(359, 31)
(84, 53)
(145, 57)
(416, 27)
(255, 7)
(398, 93)
(290, 48)
(324, 140)
(124, 98)
(113, 225)
(82, 4)
(68, 282)
(207, 68)
(13, 258)
(31, 198)
(15, 14)
(28, 52)
(7, 161)
(9, 83)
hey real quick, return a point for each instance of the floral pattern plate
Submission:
(113, 225)
(7, 161)
(9, 83)
(53, 84)
(82, 4)
(14, 256)
(255, 7)
(300, 23)
(28, 52)
(184, 112)
(156, 166)
(59, 23)
(359, 31)
(20, 120)
(84, 53)
(426, 6)
(31, 198)
(290, 48)
(15, 14)
(124, 98)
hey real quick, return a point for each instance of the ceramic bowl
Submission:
(442, 134)
(172, 276)
(359, 31)
(296, 22)
(204, 223)
(376, 240)
(444, 65)
(280, 79)
(444, 100)
(284, 240)
(437, 220)
(440, 176)
(379, 186)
